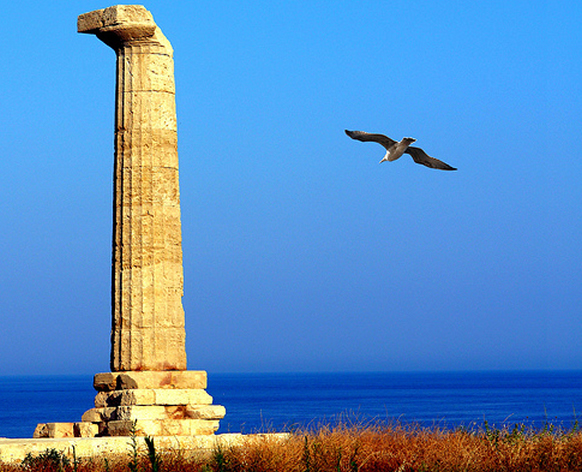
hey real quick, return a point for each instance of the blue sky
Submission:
(301, 252)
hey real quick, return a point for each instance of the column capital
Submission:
(121, 24)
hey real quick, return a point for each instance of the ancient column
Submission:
(147, 283)
(148, 391)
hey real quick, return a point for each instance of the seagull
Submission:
(395, 149)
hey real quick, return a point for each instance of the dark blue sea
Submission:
(280, 402)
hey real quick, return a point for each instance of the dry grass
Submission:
(368, 448)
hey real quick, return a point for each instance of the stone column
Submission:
(147, 281)
(148, 391)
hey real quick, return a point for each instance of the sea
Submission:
(267, 402)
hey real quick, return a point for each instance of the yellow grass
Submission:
(374, 447)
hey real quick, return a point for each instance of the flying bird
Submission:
(395, 149)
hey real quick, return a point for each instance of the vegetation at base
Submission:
(49, 461)
(350, 448)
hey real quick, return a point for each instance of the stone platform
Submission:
(13, 451)
(150, 403)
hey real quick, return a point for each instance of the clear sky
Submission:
(301, 251)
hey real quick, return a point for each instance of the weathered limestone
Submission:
(154, 412)
(85, 430)
(13, 451)
(136, 380)
(147, 315)
(152, 397)
(66, 430)
(144, 403)
(54, 430)
(185, 427)
(148, 391)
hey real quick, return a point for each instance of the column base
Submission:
(147, 403)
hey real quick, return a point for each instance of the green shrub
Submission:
(50, 460)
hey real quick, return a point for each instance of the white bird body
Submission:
(397, 150)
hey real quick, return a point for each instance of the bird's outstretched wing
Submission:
(377, 138)
(421, 157)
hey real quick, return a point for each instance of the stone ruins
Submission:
(148, 391)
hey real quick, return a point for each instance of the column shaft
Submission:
(147, 276)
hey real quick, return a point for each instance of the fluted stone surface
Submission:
(147, 315)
